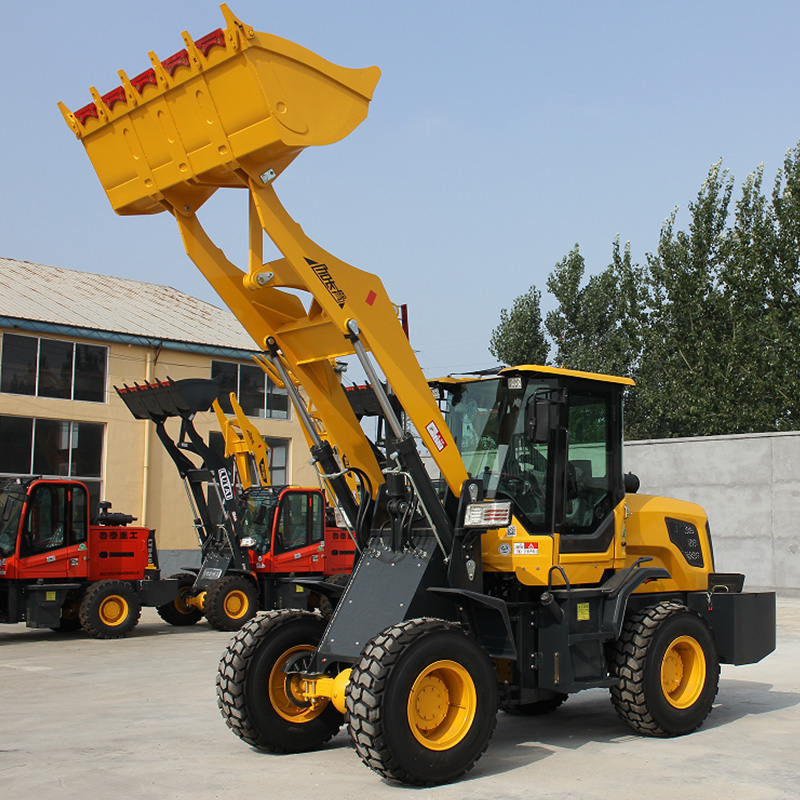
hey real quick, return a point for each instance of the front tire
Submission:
(668, 670)
(253, 691)
(230, 602)
(109, 609)
(178, 612)
(422, 702)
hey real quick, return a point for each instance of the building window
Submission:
(257, 394)
(53, 448)
(53, 368)
(278, 460)
(277, 457)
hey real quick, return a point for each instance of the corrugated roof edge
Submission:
(34, 326)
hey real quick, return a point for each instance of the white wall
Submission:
(749, 486)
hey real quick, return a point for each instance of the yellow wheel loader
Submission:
(532, 570)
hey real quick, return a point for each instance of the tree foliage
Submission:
(708, 326)
(519, 338)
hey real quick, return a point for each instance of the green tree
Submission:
(708, 328)
(683, 355)
(598, 327)
(520, 338)
(782, 280)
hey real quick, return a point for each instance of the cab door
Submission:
(53, 533)
(298, 532)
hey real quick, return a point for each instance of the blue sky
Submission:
(500, 135)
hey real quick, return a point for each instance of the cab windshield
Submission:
(12, 498)
(257, 512)
(487, 420)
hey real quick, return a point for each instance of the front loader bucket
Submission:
(158, 401)
(232, 105)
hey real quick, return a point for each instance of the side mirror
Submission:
(540, 418)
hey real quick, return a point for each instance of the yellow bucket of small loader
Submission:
(234, 105)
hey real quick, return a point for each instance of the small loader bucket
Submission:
(158, 401)
(232, 105)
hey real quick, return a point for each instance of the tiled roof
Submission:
(67, 297)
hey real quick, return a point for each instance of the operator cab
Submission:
(549, 440)
(55, 516)
(281, 519)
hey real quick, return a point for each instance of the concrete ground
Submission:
(137, 718)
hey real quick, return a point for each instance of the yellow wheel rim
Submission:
(442, 705)
(236, 604)
(683, 672)
(281, 684)
(181, 601)
(113, 610)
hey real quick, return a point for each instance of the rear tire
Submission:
(110, 609)
(326, 605)
(668, 670)
(252, 690)
(230, 602)
(70, 620)
(422, 702)
(178, 612)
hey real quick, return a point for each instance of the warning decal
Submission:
(526, 548)
(437, 437)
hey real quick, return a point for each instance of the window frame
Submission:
(270, 389)
(91, 481)
(74, 344)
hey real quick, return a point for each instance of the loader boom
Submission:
(261, 100)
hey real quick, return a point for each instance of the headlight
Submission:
(487, 515)
(247, 541)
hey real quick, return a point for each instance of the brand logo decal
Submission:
(323, 273)
(225, 484)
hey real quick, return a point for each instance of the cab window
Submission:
(56, 517)
(79, 514)
(589, 464)
(300, 522)
(317, 518)
(45, 522)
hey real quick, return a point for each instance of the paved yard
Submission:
(137, 718)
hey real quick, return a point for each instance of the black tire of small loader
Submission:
(177, 612)
(70, 620)
(640, 699)
(230, 602)
(326, 606)
(250, 681)
(67, 625)
(393, 666)
(536, 709)
(110, 609)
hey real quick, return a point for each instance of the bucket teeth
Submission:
(226, 110)
(163, 399)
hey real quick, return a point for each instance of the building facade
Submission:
(69, 338)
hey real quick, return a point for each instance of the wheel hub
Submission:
(442, 705)
(236, 604)
(431, 702)
(285, 688)
(683, 672)
(113, 610)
